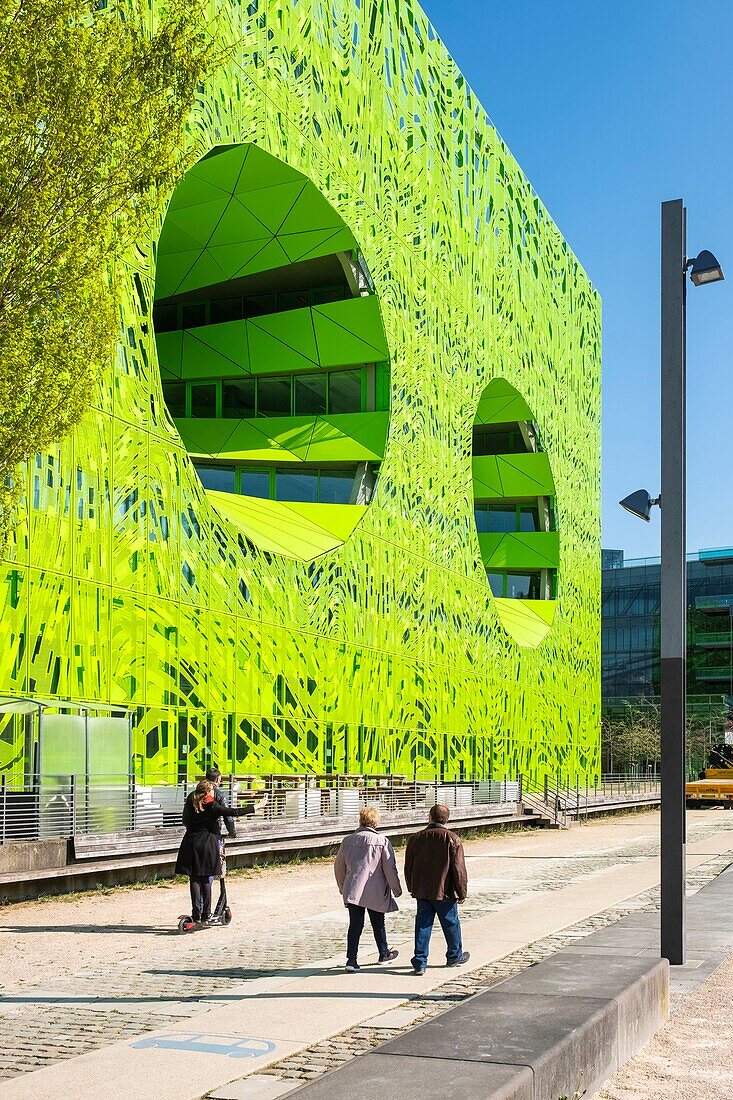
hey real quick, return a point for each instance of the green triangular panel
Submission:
(233, 258)
(170, 346)
(352, 437)
(203, 436)
(263, 170)
(172, 239)
(292, 433)
(202, 222)
(301, 531)
(528, 621)
(525, 475)
(272, 204)
(228, 339)
(204, 272)
(294, 328)
(202, 361)
(246, 442)
(502, 409)
(338, 519)
(314, 242)
(191, 191)
(536, 550)
(487, 483)
(238, 224)
(269, 355)
(352, 328)
(311, 211)
(171, 270)
(222, 170)
(271, 255)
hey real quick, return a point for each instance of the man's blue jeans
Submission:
(447, 913)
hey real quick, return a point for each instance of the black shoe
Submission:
(460, 960)
(352, 967)
(389, 956)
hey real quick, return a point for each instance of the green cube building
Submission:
(336, 507)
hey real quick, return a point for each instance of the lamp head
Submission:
(705, 269)
(639, 504)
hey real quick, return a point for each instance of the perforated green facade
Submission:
(289, 635)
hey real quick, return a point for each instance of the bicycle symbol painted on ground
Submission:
(231, 1046)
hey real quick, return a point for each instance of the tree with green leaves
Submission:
(93, 104)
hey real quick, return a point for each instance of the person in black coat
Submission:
(199, 855)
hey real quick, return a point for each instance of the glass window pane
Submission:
(274, 396)
(481, 517)
(496, 583)
(258, 305)
(255, 483)
(335, 486)
(344, 391)
(297, 485)
(217, 477)
(193, 314)
(165, 318)
(292, 299)
(174, 394)
(502, 518)
(238, 399)
(529, 519)
(203, 399)
(328, 294)
(523, 587)
(310, 394)
(226, 309)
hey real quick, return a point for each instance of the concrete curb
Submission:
(559, 1029)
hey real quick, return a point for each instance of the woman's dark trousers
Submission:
(200, 897)
(356, 927)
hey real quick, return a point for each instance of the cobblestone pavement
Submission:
(46, 1022)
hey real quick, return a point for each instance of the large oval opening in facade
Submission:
(273, 357)
(515, 513)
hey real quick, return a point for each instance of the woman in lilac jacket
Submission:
(366, 873)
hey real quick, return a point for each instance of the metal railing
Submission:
(59, 806)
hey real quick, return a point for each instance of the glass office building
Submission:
(630, 630)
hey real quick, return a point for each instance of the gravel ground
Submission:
(692, 1056)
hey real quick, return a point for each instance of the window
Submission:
(255, 483)
(203, 399)
(220, 478)
(502, 518)
(498, 439)
(481, 516)
(335, 486)
(310, 394)
(226, 309)
(165, 318)
(496, 583)
(292, 299)
(238, 399)
(344, 391)
(523, 586)
(296, 485)
(328, 294)
(193, 314)
(274, 396)
(174, 395)
(529, 519)
(258, 306)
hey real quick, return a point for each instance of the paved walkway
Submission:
(265, 1003)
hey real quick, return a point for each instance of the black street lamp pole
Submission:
(673, 583)
(704, 268)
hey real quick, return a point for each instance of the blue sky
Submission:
(609, 109)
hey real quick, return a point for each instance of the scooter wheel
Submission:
(185, 924)
(226, 917)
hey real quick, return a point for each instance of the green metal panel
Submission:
(389, 646)
(512, 476)
(525, 550)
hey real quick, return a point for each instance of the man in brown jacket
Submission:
(435, 872)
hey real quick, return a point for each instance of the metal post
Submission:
(4, 782)
(73, 805)
(673, 583)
